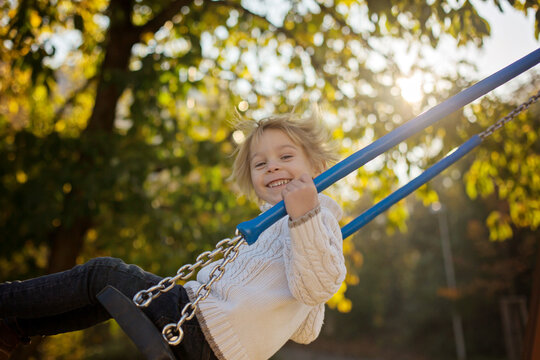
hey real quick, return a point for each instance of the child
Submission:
(274, 291)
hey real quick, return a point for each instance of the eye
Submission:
(286, 157)
(259, 164)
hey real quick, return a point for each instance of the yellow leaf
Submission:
(147, 36)
(352, 279)
(35, 19)
(60, 126)
(289, 25)
(499, 227)
(338, 133)
(91, 235)
(348, 246)
(66, 188)
(338, 298)
(344, 306)
(21, 177)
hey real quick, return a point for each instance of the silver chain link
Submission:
(229, 248)
(501, 122)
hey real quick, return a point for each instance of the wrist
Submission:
(296, 212)
(293, 222)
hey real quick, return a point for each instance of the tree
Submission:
(509, 177)
(123, 138)
(401, 305)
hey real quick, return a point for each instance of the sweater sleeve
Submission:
(311, 327)
(313, 257)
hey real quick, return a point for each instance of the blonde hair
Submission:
(308, 132)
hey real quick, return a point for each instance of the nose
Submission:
(272, 166)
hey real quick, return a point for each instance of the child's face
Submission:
(275, 160)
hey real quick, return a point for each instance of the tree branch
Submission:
(314, 61)
(279, 29)
(58, 114)
(244, 10)
(166, 14)
(343, 23)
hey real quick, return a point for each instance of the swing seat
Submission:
(135, 324)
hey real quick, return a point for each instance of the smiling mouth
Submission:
(277, 183)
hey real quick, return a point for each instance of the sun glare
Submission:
(411, 88)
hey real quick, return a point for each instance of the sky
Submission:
(512, 37)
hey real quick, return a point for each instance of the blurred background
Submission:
(115, 140)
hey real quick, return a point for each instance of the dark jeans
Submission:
(66, 301)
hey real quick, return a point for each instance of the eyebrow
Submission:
(279, 148)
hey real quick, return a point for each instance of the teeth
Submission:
(278, 183)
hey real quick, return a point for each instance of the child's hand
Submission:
(300, 196)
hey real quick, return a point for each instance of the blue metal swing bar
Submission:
(411, 186)
(251, 229)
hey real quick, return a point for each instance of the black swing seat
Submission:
(135, 324)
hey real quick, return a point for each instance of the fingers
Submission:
(304, 181)
(300, 196)
(305, 178)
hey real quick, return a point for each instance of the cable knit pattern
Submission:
(311, 327)
(314, 258)
(276, 289)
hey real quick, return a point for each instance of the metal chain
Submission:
(229, 248)
(144, 297)
(501, 122)
(173, 333)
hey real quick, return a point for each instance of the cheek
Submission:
(255, 179)
(307, 168)
(316, 169)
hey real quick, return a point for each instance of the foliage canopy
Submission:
(114, 117)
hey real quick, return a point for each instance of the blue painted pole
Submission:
(251, 229)
(411, 186)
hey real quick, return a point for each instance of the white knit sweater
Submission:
(276, 288)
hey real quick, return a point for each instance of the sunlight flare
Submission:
(411, 88)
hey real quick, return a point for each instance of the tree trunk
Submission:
(67, 245)
(67, 242)
(112, 79)
(531, 344)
